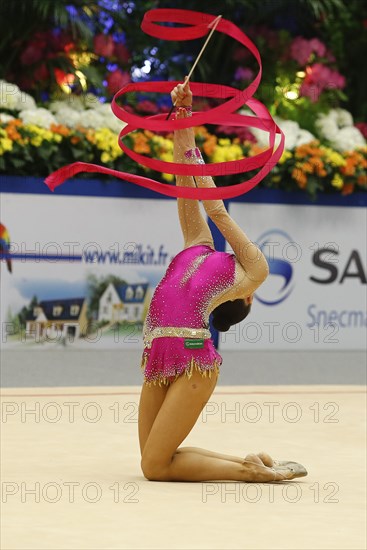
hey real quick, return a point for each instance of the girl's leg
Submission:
(151, 399)
(205, 452)
(179, 411)
(264, 457)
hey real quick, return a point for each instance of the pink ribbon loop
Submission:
(197, 26)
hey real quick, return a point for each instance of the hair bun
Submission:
(229, 313)
(222, 325)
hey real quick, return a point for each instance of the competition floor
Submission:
(71, 477)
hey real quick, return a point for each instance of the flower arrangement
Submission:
(315, 167)
(338, 129)
(36, 141)
(32, 150)
(307, 79)
(53, 60)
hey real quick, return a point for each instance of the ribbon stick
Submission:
(214, 23)
(196, 25)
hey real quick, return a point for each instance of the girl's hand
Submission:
(181, 95)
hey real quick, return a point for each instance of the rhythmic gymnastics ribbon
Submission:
(196, 25)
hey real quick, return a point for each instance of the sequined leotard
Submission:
(194, 282)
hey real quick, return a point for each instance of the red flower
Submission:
(241, 54)
(122, 53)
(116, 80)
(103, 45)
(41, 73)
(147, 106)
(318, 78)
(243, 133)
(25, 83)
(31, 54)
(362, 127)
(61, 41)
(63, 78)
(41, 40)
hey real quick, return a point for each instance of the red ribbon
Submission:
(224, 114)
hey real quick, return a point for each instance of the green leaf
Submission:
(16, 162)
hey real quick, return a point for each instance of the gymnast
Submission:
(180, 362)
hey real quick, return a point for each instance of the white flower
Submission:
(344, 118)
(39, 117)
(293, 134)
(68, 117)
(75, 102)
(69, 113)
(4, 118)
(104, 108)
(25, 102)
(304, 136)
(337, 127)
(9, 95)
(262, 137)
(348, 139)
(327, 127)
(91, 101)
(332, 115)
(91, 119)
(55, 106)
(290, 130)
(113, 123)
(110, 120)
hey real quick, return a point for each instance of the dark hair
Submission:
(230, 313)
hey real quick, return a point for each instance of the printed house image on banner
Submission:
(124, 303)
(55, 319)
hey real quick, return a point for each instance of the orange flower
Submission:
(209, 145)
(307, 167)
(15, 122)
(89, 134)
(349, 168)
(141, 144)
(362, 180)
(74, 140)
(11, 130)
(348, 188)
(13, 134)
(60, 129)
(318, 166)
(300, 177)
(309, 149)
(255, 150)
(201, 131)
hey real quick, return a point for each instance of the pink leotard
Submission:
(184, 298)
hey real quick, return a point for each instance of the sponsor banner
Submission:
(315, 295)
(83, 269)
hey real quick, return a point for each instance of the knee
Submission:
(153, 469)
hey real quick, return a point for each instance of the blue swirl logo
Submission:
(274, 244)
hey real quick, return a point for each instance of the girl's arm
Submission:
(247, 253)
(195, 230)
